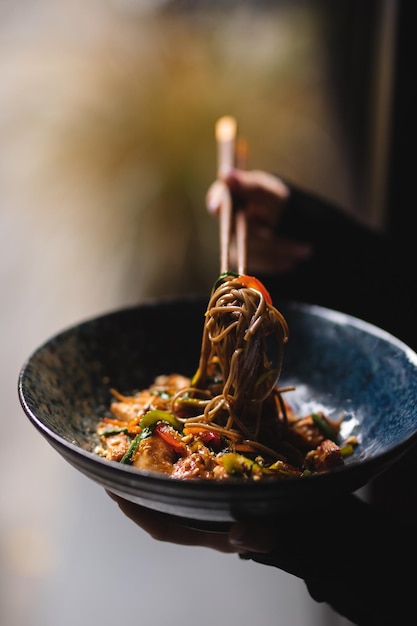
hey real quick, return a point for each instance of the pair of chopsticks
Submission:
(230, 151)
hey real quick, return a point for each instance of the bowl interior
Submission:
(337, 363)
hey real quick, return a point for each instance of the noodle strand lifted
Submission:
(238, 324)
(230, 419)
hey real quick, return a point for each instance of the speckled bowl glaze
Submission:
(337, 363)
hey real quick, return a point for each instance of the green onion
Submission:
(324, 426)
(113, 431)
(221, 278)
(127, 457)
(266, 374)
(346, 450)
(238, 464)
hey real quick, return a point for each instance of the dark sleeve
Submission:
(354, 268)
(350, 557)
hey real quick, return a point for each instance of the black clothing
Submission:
(351, 558)
(353, 269)
(351, 553)
(359, 556)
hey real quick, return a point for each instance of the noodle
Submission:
(230, 419)
(238, 323)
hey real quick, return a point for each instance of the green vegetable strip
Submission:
(127, 457)
(346, 450)
(152, 417)
(324, 426)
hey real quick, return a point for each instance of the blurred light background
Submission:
(107, 113)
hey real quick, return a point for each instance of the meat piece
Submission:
(172, 382)
(154, 454)
(156, 397)
(324, 457)
(132, 406)
(307, 433)
(115, 447)
(199, 464)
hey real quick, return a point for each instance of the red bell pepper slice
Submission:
(168, 434)
(212, 439)
(247, 281)
(254, 283)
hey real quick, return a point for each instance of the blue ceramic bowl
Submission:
(337, 363)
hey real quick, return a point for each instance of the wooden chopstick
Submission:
(240, 215)
(241, 238)
(225, 229)
(226, 128)
(225, 131)
(228, 153)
